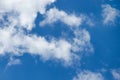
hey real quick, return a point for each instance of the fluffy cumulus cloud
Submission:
(109, 14)
(27, 10)
(17, 20)
(88, 75)
(116, 74)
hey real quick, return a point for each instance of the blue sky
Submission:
(60, 40)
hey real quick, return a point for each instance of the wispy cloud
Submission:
(13, 61)
(54, 15)
(116, 74)
(88, 75)
(109, 14)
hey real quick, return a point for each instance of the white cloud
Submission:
(26, 10)
(88, 75)
(16, 41)
(54, 15)
(116, 74)
(109, 14)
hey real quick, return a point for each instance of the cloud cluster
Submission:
(17, 20)
(88, 75)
